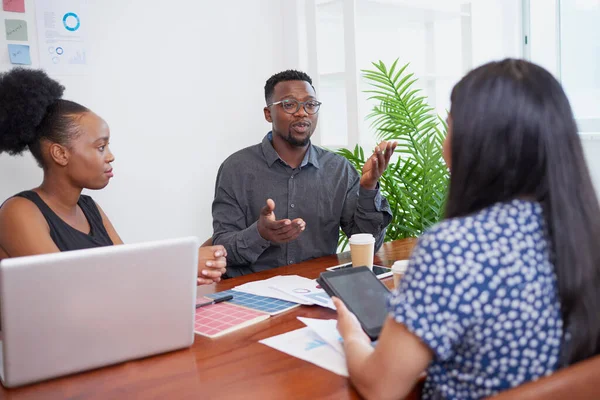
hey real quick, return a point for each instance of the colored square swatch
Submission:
(13, 5)
(16, 29)
(19, 54)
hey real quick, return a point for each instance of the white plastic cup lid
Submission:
(400, 266)
(362, 238)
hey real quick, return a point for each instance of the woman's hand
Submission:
(348, 325)
(211, 264)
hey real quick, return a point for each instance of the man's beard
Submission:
(295, 142)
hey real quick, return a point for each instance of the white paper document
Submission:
(304, 289)
(265, 288)
(327, 330)
(305, 344)
(61, 27)
(290, 288)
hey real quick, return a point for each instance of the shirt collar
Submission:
(271, 155)
(268, 150)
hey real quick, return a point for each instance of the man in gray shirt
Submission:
(315, 191)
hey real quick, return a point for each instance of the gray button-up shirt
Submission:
(324, 191)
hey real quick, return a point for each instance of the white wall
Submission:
(181, 86)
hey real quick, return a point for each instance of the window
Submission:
(565, 39)
(441, 39)
(580, 60)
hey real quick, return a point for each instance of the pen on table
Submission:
(215, 301)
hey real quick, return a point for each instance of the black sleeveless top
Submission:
(64, 235)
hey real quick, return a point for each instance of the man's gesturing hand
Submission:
(275, 231)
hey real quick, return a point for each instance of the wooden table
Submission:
(230, 367)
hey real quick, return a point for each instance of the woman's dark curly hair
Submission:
(31, 109)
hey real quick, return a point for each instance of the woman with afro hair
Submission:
(70, 143)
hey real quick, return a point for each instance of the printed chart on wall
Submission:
(61, 26)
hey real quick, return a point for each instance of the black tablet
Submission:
(362, 293)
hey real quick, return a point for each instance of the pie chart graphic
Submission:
(71, 21)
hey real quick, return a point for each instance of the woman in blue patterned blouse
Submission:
(507, 288)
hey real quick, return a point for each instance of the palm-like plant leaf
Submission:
(416, 182)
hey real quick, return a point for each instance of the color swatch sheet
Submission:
(243, 310)
(255, 302)
(221, 318)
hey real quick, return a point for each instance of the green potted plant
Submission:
(416, 181)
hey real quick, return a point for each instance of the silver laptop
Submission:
(73, 311)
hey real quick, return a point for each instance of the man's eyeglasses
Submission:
(291, 106)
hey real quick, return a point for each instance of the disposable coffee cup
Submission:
(362, 249)
(398, 270)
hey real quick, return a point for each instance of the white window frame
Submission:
(543, 45)
(351, 73)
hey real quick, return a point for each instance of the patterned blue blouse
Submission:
(481, 292)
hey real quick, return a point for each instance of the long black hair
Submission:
(514, 135)
(31, 109)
